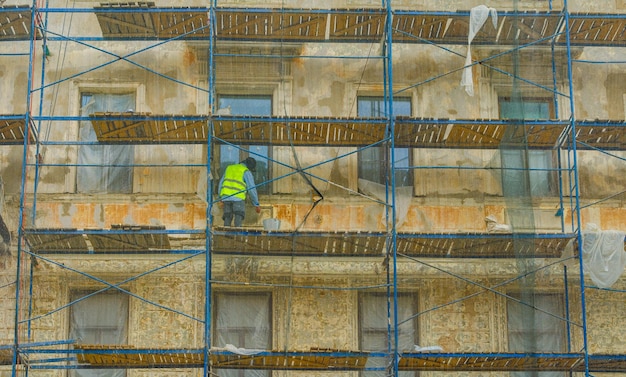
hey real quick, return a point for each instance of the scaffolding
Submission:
(228, 39)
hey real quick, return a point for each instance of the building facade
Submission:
(446, 180)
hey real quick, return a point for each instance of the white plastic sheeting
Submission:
(103, 168)
(374, 331)
(243, 326)
(404, 195)
(99, 319)
(604, 258)
(535, 324)
(419, 348)
(478, 17)
(493, 226)
(242, 351)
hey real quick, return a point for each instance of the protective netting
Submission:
(358, 140)
(536, 319)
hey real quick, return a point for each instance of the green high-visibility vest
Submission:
(233, 184)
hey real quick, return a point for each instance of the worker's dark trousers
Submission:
(234, 209)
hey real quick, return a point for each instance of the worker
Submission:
(236, 182)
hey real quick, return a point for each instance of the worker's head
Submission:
(250, 163)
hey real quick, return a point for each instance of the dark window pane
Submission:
(524, 109)
(526, 172)
(374, 162)
(248, 105)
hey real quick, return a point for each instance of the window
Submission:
(374, 162)
(374, 334)
(536, 326)
(244, 321)
(260, 105)
(516, 162)
(103, 168)
(99, 319)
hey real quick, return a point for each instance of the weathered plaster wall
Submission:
(446, 201)
(320, 87)
(7, 300)
(468, 318)
(94, 212)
